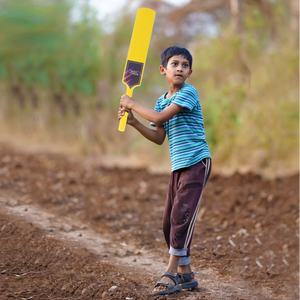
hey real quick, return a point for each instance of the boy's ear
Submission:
(190, 73)
(162, 70)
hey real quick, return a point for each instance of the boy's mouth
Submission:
(178, 75)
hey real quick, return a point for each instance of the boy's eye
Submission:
(185, 65)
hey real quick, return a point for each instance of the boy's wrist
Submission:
(133, 122)
(132, 105)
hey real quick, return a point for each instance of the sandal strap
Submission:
(172, 276)
(169, 273)
(166, 284)
(186, 277)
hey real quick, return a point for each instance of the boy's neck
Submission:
(173, 90)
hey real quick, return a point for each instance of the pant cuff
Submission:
(178, 252)
(183, 261)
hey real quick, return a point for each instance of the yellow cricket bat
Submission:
(137, 53)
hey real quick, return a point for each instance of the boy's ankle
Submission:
(185, 269)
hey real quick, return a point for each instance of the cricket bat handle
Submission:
(123, 121)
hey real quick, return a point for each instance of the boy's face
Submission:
(177, 70)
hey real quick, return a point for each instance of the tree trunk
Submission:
(294, 23)
(237, 16)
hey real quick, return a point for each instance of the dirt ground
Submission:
(72, 229)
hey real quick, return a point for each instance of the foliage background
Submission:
(61, 70)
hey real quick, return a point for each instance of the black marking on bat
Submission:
(133, 73)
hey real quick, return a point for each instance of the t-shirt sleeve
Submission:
(156, 108)
(187, 98)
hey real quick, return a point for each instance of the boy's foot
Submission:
(168, 284)
(187, 281)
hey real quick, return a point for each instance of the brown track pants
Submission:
(185, 190)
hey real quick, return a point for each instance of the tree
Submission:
(237, 16)
(294, 23)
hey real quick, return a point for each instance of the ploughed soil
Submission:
(72, 229)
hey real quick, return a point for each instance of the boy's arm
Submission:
(156, 136)
(156, 117)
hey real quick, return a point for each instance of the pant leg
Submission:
(207, 163)
(168, 206)
(182, 205)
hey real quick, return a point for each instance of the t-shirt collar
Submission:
(165, 94)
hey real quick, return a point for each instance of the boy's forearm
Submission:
(148, 114)
(159, 118)
(150, 134)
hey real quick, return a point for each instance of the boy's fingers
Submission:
(120, 112)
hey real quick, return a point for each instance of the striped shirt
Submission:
(185, 130)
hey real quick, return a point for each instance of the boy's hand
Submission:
(130, 119)
(126, 101)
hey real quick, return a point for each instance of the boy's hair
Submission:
(175, 50)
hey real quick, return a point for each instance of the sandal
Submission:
(171, 287)
(185, 280)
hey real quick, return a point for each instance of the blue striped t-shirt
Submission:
(185, 130)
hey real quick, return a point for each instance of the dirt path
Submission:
(48, 203)
(109, 252)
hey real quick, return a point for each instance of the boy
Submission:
(178, 114)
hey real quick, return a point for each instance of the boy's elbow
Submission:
(160, 140)
(159, 121)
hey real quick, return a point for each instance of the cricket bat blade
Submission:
(137, 54)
